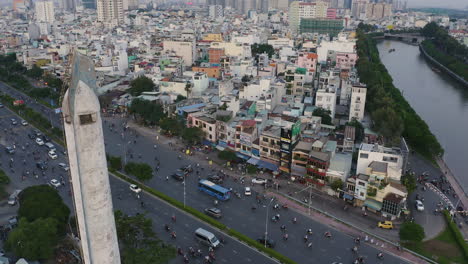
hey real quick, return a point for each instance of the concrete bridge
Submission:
(412, 38)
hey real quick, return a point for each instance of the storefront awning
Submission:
(220, 148)
(267, 165)
(242, 156)
(373, 204)
(253, 161)
(348, 196)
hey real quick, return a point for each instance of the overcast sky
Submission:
(455, 4)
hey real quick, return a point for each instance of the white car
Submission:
(53, 155)
(247, 191)
(24, 123)
(39, 141)
(135, 188)
(64, 166)
(419, 205)
(55, 183)
(259, 181)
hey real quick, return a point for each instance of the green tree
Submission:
(141, 84)
(410, 231)
(251, 169)
(115, 162)
(138, 242)
(34, 240)
(142, 171)
(171, 125)
(409, 181)
(180, 98)
(43, 201)
(262, 48)
(324, 114)
(35, 72)
(150, 112)
(228, 155)
(336, 184)
(192, 134)
(4, 181)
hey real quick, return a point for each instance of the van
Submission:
(13, 197)
(50, 146)
(206, 238)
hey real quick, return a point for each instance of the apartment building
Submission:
(391, 160)
(185, 49)
(45, 11)
(299, 10)
(206, 123)
(326, 98)
(110, 12)
(270, 142)
(358, 102)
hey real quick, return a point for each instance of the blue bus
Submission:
(212, 189)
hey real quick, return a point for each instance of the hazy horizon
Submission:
(453, 4)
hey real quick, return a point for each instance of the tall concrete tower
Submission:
(88, 167)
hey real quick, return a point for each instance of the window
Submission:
(87, 119)
(210, 137)
(265, 139)
(264, 149)
(390, 159)
(210, 129)
(361, 183)
(363, 156)
(204, 125)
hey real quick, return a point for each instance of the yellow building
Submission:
(213, 37)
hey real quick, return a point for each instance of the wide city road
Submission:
(237, 212)
(21, 167)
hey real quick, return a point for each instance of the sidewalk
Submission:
(374, 242)
(323, 202)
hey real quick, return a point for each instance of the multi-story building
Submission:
(215, 55)
(215, 11)
(326, 98)
(206, 123)
(270, 142)
(110, 12)
(300, 156)
(358, 102)
(321, 26)
(89, 4)
(246, 133)
(391, 160)
(299, 10)
(45, 11)
(184, 49)
(289, 138)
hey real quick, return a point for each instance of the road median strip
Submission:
(36, 119)
(199, 215)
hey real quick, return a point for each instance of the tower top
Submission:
(82, 70)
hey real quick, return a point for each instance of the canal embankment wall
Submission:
(442, 67)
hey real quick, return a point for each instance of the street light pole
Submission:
(266, 222)
(184, 191)
(310, 195)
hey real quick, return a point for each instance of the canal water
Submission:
(438, 99)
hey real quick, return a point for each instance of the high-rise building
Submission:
(215, 11)
(90, 4)
(69, 5)
(129, 4)
(299, 10)
(88, 166)
(110, 12)
(45, 11)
